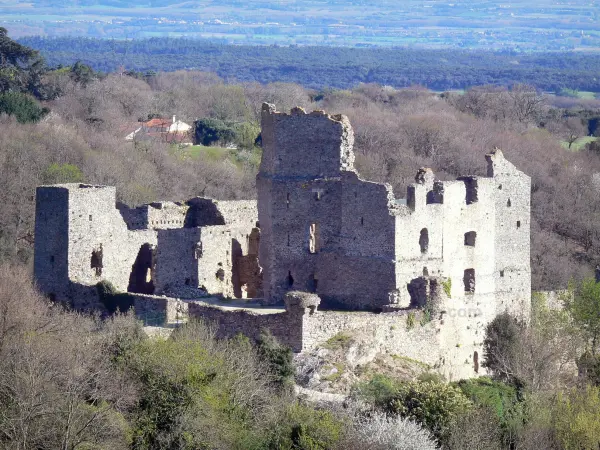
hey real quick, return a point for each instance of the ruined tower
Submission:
(326, 231)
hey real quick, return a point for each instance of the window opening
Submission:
(424, 240)
(313, 238)
(290, 279)
(220, 275)
(518, 224)
(469, 281)
(476, 362)
(502, 273)
(287, 202)
(313, 282)
(96, 261)
(508, 203)
(470, 238)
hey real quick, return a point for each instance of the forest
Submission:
(75, 381)
(334, 67)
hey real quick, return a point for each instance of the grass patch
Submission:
(447, 285)
(579, 144)
(200, 151)
(340, 340)
(335, 376)
(410, 321)
(411, 361)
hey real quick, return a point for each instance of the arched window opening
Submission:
(220, 275)
(470, 238)
(290, 279)
(424, 240)
(141, 275)
(508, 203)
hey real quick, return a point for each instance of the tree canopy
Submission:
(21, 67)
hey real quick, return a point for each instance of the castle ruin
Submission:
(339, 252)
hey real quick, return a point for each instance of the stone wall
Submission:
(437, 341)
(83, 238)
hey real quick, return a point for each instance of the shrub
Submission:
(379, 431)
(305, 428)
(113, 300)
(506, 402)
(477, 429)
(433, 405)
(197, 392)
(589, 368)
(279, 358)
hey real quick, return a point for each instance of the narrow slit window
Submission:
(508, 203)
(469, 281)
(424, 240)
(518, 224)
(290, 279)
(476, 362)
(287, 200)
(313, 238)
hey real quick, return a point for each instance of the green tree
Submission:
(584, 308)
(577, 419)
(82, 73)
(62, 173)
(212, 131)
(501, 346)
(21, 68)
(22, 106)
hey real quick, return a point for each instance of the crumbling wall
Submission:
(83, 239)
(287, 328)
(177, 254)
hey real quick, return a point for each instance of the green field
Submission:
(239, 157)
(579, 143)
(531, 26)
